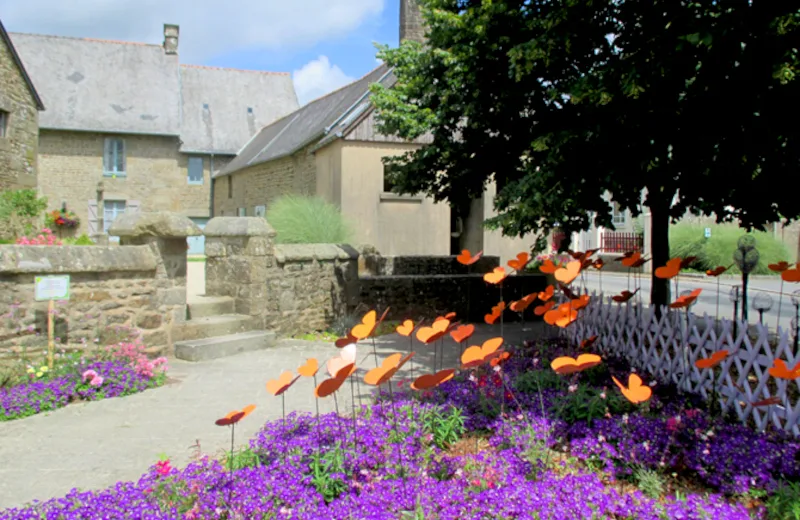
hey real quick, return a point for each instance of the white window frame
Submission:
(4, 117)
(260, 211)
(110, 148)
(195, 159)
(116, 213)
(619, 218)
(241, 212)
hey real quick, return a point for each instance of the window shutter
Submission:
(108, 156)
(132, 206)
(92, 220)
(121, 155)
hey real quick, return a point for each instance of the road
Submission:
(615, 283)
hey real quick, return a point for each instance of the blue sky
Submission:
(323, 43)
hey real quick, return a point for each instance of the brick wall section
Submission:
(71, 165)
(18, 150)
(262, 183)
(111, 288)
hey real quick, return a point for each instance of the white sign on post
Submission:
(708, 232)
(54, 287)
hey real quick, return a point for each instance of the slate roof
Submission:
(15, 56)
(310, 123)
(136, 88)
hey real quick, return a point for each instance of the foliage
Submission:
(649, 481)
(82, 240)
(445, 427)
(326, 474)
(307, 220)
(587, 404)
(689, 240)
(20, 213)
(785, 503)
(243, 458)
(685, 98)
(535, 381)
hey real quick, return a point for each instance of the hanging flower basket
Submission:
(63, 218)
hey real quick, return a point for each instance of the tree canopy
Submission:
(674, 105)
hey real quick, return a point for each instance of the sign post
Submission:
(50, 289)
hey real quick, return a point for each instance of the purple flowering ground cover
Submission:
(486, 445)
(111, 378)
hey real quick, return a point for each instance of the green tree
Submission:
(674, 105)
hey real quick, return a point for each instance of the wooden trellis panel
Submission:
(666, 349)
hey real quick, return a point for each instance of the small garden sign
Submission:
(50, 289)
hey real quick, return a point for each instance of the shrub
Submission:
(307, 220)
(20, 213)
(689, 240)
(44, 238)
(82, 240)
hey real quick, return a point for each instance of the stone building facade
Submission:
(144, 136)
(19, 120)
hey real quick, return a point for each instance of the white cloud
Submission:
(208, 27)
(318, 77)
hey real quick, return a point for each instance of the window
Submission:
(3, 123)
(111, 210)
(618, 217)
(387, 178)
(230, 186)
(241, 212)
(195, 170)
(114, 157)
(260, 211)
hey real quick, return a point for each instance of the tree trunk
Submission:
(659, 245)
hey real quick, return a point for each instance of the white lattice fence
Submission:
(666, 348)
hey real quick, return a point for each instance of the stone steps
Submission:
(206, 306)
(213, 326)
(223, 346)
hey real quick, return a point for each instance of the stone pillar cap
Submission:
(156, 224)
(238, 227)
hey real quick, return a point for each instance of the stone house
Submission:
(153, 130)
(331, 148)
(19, 119)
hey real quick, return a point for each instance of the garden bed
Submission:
(520, 442)
(118, 370)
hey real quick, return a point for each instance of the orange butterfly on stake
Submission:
(669, 271)
(791, 275)
(580, 302)
(769, 401)
(405, 328)
(329, 386)
(476, 356)
(780, 370)
(685, 301)
(779, 267)
(347, 357)
(309, 369)
(598, 264)
(368, 324)
(567, 292)
(437, 330)
(343, 342)
(566, 365)
(625, 256)
(449, 316)
(547, 293)
(235, 416)
(541, 310)
(717, 271)
(548, 267)
(389, 367)
(636, 392)
(519, 263)
(624, 296)
(634, 257)
(711, 362)
(284, 382)
(589, 342)
(562, 316)
(567, 275)
(496, 276)
(462, 333)
(466, 258)
(500, 359)
(639, 263)
(428, 381)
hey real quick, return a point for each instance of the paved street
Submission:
(94, 445)
(614, 283)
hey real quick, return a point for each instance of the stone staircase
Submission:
(214, 330)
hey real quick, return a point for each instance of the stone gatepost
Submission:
(240, 252)
(166, 234)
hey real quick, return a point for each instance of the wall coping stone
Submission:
(307, 252)
(75, 259)
(238, 227)
(164, 224)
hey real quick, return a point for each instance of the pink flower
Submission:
(673, 423)
(96, 381)
(89, 374)
(163, 467)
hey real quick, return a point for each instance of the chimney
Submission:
(411, 24)
(171, 33)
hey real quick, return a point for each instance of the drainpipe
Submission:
(211, 188)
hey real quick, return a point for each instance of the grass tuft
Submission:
(307, 220)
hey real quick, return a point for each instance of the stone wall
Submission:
(71, 165)
(18, 149)
(262, 183)
(302, 288)
(114, 290)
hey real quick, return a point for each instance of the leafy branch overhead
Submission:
(672, 106)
